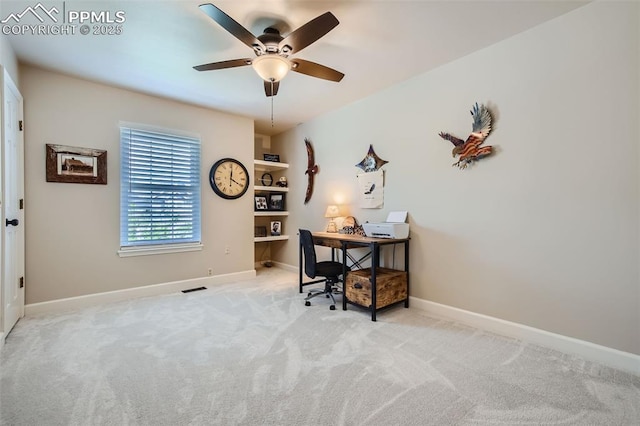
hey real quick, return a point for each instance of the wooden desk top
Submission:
(358, 239)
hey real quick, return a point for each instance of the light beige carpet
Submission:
(251, 353)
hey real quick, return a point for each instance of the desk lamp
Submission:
(332, 212)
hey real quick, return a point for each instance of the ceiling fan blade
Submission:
(223, 64)
(229, 24)
(308, 33)
(271, 88)
(315, 70)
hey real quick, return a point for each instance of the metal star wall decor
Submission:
(371, 162)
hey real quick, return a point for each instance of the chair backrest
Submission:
(306, 241)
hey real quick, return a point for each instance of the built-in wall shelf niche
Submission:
(265, 218)
(268, 166)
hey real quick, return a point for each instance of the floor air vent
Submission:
(189, 290)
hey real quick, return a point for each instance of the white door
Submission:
(13, 206)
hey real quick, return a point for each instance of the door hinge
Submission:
(20, 125)
(21, 203)
(21, 282)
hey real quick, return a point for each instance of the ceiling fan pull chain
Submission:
(272, 103)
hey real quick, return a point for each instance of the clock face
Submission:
(229, 178)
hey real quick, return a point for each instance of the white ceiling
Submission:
(376, 44)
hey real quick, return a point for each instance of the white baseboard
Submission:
(604, 355)
(78, 302)
(286, 267)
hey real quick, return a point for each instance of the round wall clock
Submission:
(266, 179)
(229, 178)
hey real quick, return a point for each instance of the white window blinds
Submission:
(160, 188)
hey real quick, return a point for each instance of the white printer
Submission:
(394, 227)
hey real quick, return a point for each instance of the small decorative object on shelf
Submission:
(276, 228)
(470, 150)
(276, 202)
(260, 231)
(271, 157)
(261, 202)
(282, 182)
(266, 179)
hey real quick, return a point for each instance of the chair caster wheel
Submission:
(332, 307)
(307, 303)
(326, 295)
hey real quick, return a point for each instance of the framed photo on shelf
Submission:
(276, 228)
(261, 203)
(259, 231)
(271, 157)
(276, 202)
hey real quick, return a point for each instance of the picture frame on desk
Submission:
(276, 202)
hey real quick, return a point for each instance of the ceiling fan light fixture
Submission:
(271, 67)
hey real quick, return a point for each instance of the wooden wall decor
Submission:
(71, 164)
(312, 169)
(470, 150)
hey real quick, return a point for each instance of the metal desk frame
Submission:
(345, 242)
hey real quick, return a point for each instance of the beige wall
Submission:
(72, 230)
(8, 59)
(546, 232)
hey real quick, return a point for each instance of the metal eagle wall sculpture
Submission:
(312, 169)
(470, 150)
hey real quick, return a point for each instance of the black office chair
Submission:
(329, 270)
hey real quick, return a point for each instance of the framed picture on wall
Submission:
(71, 164)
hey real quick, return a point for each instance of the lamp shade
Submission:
(332, 211)
(271, 67)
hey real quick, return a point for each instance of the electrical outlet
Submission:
(227, 250)
(210, 271)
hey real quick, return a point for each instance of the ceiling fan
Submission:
(272, 50)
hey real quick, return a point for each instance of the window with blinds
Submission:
(160, 189)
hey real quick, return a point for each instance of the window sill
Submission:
(151, 250)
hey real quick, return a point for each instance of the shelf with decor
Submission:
(270, 192)
(266, 166)
(271, 238)
(259, 188)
